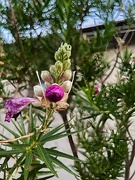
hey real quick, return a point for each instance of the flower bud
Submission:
(66, 86)
(59, 66)
(38, 90)
(58, 56)
(66, 75)
(47, 84)
(96, 89)
(66, 56)
(53, 70)
(66, 64)
(66, 49)
(63, 53)
(54, 93)
(46, 76)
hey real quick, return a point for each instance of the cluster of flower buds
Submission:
(57, 86)
(57, 79)
(60, 71)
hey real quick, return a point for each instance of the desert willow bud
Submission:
(47, 84)
(53, 70)
(96, 89)
(66, 49)
(46, 76)
(59, 66)
(58, 56)
(66, 75)
(66, 85)
(66, 64)
(63, 53)
(38, 91)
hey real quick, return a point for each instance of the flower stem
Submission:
(44, 126)
(49, 113)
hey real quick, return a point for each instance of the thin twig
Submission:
(130, 135)
(17, 89)
(70, 138)
(16, 139)
(14, 24)
(129, 162)
(132, 154)
(130, 38)
(116, 61)
(17, 35)
(5, 97)
(132, 175)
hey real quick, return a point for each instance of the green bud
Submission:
(38, 91)
(67, 49)
(66, 75)
(66, 64)
(53, 70)
(63, 53)
(66, 56)
(58, 56)
(59, 66)
(66, 85)
(46, 76)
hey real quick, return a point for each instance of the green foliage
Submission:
(29, 154)
(27, 52)
(105, 148)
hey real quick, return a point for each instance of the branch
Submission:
(132, 175)
(130, 135)
(132, 154)
(129, 162)
(17, 36)
(70, 138)
(16, 139)
(116, 61)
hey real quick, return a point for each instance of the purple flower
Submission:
(96, 89)
(54, 93)
(15, 105)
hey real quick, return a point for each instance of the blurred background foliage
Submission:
(36, 29)
(106, 118)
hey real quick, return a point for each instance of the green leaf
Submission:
(19, 161)
(27, 164)
(10, 152)
(58, 136)
(32, 122)
(3, 136)
(18, 129)
(17, 146)
(36, 172)
(4, 164)
(8, 129)
(50, 133)
(60, 164)
(46, 158)
(22, 126)
(61, 154)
